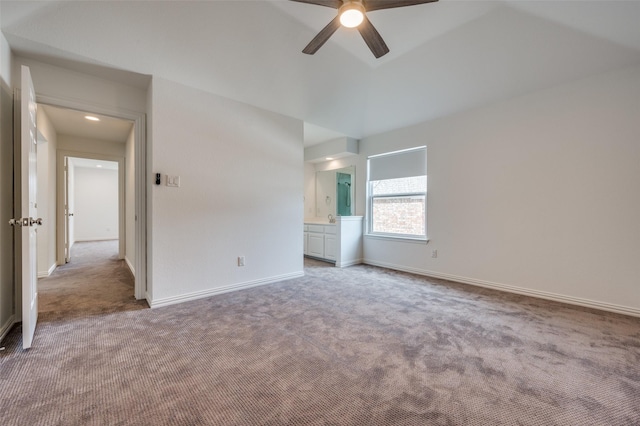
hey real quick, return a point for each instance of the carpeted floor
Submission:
(94, 282)
(354, 346)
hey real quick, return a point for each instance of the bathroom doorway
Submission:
(343, 194)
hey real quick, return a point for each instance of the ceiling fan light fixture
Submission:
(351, 14)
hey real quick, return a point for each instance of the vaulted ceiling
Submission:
(445, 57)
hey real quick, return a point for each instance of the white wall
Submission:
(96, 204)
(7, 296)
(309, 190)
(539, 193)
(130, 202)
(241, 194)
(325, 195)
(62, 83)
(46, 167)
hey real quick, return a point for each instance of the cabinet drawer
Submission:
(315, 228)
(330, 229)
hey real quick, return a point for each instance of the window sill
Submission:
(397, 238)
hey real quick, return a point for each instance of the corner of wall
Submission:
(7, 293)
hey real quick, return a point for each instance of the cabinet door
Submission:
(305, 243)
(330, 247)
(315, 245)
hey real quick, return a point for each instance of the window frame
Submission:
(371, 198)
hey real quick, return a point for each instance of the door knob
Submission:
(33, 221)
(20, 222)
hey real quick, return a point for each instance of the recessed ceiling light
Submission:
(329, 158)
(91, 118)
(99, 166)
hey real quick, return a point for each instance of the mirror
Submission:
(335, 192)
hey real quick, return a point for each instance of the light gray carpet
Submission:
(354, 346)
(94, 282)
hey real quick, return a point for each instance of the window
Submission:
(397, 194)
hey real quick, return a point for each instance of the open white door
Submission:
(25, 206)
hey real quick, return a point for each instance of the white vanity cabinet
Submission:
(315, 240)
(330, 248)
(339, 242)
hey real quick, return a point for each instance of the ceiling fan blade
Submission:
(328, 3)
(322, 36)
(371, 5)
(373, 38)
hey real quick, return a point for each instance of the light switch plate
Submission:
(173, 181)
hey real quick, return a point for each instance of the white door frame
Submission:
(139, 128)
(60, 207)
(63, 167)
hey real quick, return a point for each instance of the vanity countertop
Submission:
(317, 221)
(325, 221)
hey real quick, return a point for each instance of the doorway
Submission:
(94, 198)
(343, 194)
(90, 143)
(27, 103)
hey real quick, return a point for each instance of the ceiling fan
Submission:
(352, 14)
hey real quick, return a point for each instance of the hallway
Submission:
(95, 282)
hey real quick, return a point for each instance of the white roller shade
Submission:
(400, 164)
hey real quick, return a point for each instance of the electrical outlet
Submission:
(434, 253)
(240, 260)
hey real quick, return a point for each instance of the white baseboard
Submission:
(348, 263)
(6, 327)
(131, 268)
(603, 306)
(88, 239)
(45, 274)
(220, 290)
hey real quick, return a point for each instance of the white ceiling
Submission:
(445, 57)
(314, 135)
(72, 122)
